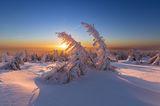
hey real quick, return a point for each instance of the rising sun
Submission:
(63, 46)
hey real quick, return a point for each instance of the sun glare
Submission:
(63, 46)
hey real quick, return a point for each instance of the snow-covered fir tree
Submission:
(27, 57)
(20, 57)
(14, 63)
(75, 49)
(47, 57)
(131, 56)
(53, 56)
(121, 55)
(134, 56)
(43, 58)
(5, 57)
(102, 59)
(76, 65)
(34, 58)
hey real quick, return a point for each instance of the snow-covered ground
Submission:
(145, 76)
(133, 85)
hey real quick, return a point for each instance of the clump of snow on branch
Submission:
(102, 59)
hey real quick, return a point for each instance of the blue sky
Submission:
(121, 22)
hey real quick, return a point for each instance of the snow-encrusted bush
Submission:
(14, 63)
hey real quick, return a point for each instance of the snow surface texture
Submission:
(134, 85)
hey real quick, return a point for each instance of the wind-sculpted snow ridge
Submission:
(17, 88)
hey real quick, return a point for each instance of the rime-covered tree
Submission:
(14, 63)
(27, 57)
(5, 57)
(75, 49)
(121, 55)
(76, 65)
(47, 57)
(131, 56)
(34, 58)
(43, 58)
(134, 56)
(20, 57)
(102, 59)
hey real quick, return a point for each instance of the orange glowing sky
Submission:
(33, 24)
(56, 44)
